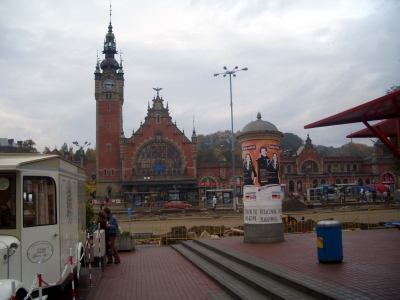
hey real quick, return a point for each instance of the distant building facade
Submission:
(158, 162)
(9, 146)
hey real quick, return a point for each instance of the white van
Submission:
(42, 216)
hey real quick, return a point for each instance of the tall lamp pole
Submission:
(86, 144)
(230, 73)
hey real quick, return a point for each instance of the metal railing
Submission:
(147, 231)
(189, 228)
(156, 231)
(377, 217)
(231, 226)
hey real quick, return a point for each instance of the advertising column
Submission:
(262, 192)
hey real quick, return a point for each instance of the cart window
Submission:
(7, 201)
(39, 203)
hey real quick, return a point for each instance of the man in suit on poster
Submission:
(262, 165)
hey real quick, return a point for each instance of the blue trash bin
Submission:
(329, 241)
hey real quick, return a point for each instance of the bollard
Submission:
(98, 226)
(90, 265)
(13, 291)
(40, 282)
(72, 274)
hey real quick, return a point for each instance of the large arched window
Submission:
(345, 181)
(354, 167)
(159, 158)
(360, 181)
(282, 169)
(337, 181)
(348, 168)
(329, 168)
(341, 167)
(335, 168)
(309, 166)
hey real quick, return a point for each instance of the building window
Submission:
(108, 96)
(289, 170)
(355, 168)
(160, 156)
(367, 181)
(112, 172)
(348, 167)
(335, 168)
(323, 181)
(315, 183)
(299, 186)
(360, 181)
(337, 181)
(105, 172)
(108, 126)
(309, 166)
(342, 168)
(329, 168)
(108, 148)
(291, 186)
(8, 202)
(158, 119)
(108, 108)
(346, 181)
(39, 201)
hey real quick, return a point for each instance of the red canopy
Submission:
(386, 107)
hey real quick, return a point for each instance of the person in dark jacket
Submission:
(112, 231)
(101, 219)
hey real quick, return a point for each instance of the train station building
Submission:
(158, 161)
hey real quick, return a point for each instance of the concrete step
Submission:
(305, 285)
(253, 279)
(233, 286)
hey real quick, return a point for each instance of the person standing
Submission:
(101, 219)
(215, 202)
(367, 195)
(112, 232)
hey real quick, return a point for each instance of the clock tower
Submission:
(109, 96)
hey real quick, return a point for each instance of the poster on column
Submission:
(262, 191)
(262, 205)
(260, 162)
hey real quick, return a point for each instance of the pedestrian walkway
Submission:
(371, 268)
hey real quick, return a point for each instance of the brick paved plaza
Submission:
(371, 267)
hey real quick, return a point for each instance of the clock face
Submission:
(4, 183)
(108, 84)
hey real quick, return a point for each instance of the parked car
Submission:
(177, 204)
(294, 195)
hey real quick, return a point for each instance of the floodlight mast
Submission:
(86, 144)
(230, 73)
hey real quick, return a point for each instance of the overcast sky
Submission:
(307, 60)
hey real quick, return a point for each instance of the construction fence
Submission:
(157, 231)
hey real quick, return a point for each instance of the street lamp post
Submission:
(86, 144)
(230, 73)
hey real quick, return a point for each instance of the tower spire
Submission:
(110, 11)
